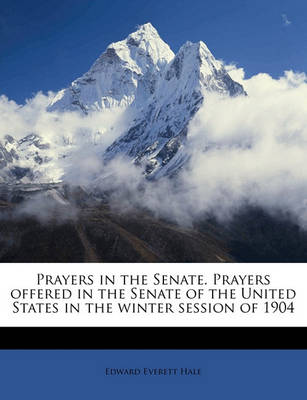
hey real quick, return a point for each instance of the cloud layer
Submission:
(243, 151)
(76, 141)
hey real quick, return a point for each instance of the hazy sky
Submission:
(44, 45)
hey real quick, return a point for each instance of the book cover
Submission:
(153, 199)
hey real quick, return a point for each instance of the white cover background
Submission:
(283, 276)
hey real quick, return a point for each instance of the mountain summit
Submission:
(140, 74)
(125, 73)
(165, 89)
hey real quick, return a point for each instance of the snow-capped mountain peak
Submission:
(126, 72)
(147, 39)
(157, 139)
(164, 91)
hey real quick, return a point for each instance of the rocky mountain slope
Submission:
(52, 223)
(26, 160)
(74, 228)
(164, 90)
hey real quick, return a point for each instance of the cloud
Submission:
(46, 207)
(67, 133)
(256, 148)
(285, 20)
(243, 151)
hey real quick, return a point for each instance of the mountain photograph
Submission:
(152, 154)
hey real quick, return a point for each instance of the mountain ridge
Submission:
(116, 75)
(164, 91)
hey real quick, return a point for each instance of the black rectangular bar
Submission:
(153, 338)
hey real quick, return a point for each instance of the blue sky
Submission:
(44, 45)
(79, 375)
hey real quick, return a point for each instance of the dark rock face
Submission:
(35, 140)
(20, 172)
(175, 68)
(234, 88)
(167, 133)
(256, 236)
(253, 235)
(6, 157)
(17, 155)
(170, 149)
